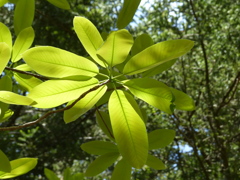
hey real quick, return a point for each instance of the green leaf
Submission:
(2, 2)
(4, 163)
(129, 129)
(122, 171)
(67, 173)
(160, 138)
(5, 54)
(50, 174)
(83, 105)
(116, 48)
(23, 42)
(19, 167)
(182, 100)
(12, 98)
(77, 176)
(6, 115)
(5, 35)
(99, 147)
(141, 42)
(151, 91)
(155, 163)
(127, 12)
(159, 69)
(53, 93)
(89, 37)
(63, 4)
(157, 54)
(28, 82)
(104, 123)
(101, 163)
(23, 67)
(23, 15)
(55, 62)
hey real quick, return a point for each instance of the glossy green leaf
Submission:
(151, 91)
(5, 35)
(129, 129)
(127, 12)
(104, 123)
(83, 105)
(99, 147)
(4, 163)
(141, 42)
(50, 174)
(2, 2)
(63, 4)
(55, 62)
(182, 100)
(160, 138)
(155, 163)
(23, 42)
(12, 98)
(89, 37)
(101, 163)
(122, 171)
(116, 48)
(28, 82)
(53, 93)
(19, 167)
(159, 69)
(23, 14)
(157, 54)
(5, 54)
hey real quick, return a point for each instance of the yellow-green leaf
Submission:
(23, 42)
(155, 163)
(63, 4)
(151, 91)
(5, 54)
(122, 171)
(101, 163)
(19, 167)
(2, 2)
(89, 36)
(4, 163)
(50, 174)
(55, 62)
(160, 138)
(53, 93)
(141, 42)
(12, 98)
(99, 147)
(157, 54)
(23, 15)
(129, 130)
(116, 48)
(83, 105)
(5, 35)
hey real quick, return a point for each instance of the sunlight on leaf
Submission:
(5, 54)
(155, 163)
(99, 147)
(4, 163)
(5, 35)
(63, 4)
(50, 174)
(122, 171)
(12, 98)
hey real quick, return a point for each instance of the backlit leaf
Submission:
(53, 93)
(101, 163)
(23, 42)
(141, 42)
(23, 14)
(99, 147)
(155, 163)
(122, 171)
(83, 105)
(4, 163)
(5, 35)
(2, 2)
(116, 48)
(55, 62)
(160, 138)
(6, 115)
(182, 100)
(89, 36)
(50, 174)
(129, 129)
(63, 4)
(12, 98)
(127, 12)
(19, 167)
(157, 54)
(151, 91)
(5, 54)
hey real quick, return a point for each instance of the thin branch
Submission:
(12, 128)
(27, 73)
